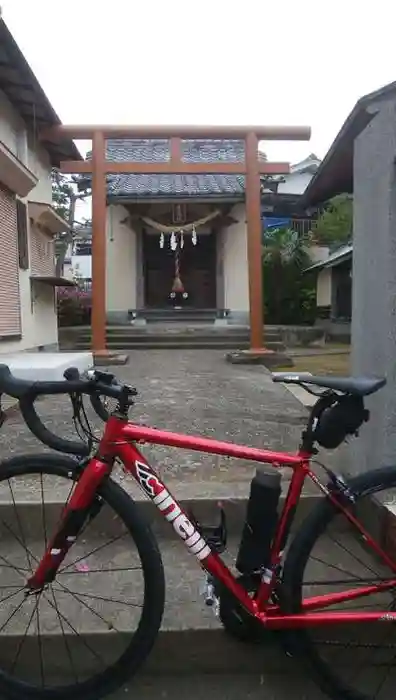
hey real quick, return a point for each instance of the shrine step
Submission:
(172, 343)
(155, 337)
(171, 315)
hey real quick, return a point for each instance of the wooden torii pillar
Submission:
(252, 168)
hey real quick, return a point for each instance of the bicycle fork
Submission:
(74, 516)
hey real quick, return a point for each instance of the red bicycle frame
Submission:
(120, 440)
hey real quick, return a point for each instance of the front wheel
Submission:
(329, 555)
(87, 632)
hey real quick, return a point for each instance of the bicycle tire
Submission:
(109, 680)
(298, 641)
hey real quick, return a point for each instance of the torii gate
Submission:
(252, 168)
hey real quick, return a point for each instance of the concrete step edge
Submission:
(198, 649)
(205, 509)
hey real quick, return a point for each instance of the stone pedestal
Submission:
(267, 358)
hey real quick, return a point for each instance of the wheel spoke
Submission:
(355, 557)
(64, 636)
(10, 530)
(84, 642)
(67, 572)
(21, 643)
(29, 563)
(9, 618)
(93, 551)
(39, 642)
(79, 596)
(99, 597)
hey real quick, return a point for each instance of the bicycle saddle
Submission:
(358, 386)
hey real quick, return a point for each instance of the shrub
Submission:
(74, 306)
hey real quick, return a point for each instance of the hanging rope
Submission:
(186, 228)
(177, 283)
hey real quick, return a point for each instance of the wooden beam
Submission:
(254, 234)
(270, 133)
(176, 152)
(177, 167)
(99, 191)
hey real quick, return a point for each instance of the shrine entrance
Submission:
(251, 167)
(196, 272)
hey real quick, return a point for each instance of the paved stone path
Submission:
(192, 391)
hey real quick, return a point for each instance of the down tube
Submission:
(195, 543)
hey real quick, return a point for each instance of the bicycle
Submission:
(267, 593)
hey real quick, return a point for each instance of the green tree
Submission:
(65, 195)
(62, 192)
(289, 295)
(335, 225)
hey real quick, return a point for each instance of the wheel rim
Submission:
(65, 636)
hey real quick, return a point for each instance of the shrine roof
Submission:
(164, 185)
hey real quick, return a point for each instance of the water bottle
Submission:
(261, 520)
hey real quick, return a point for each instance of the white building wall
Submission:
(38, 161)
(235, 264)
(81, 265)
(38, 317)
(120, 264)
(295, 183)
(323, 288)
(38, 312)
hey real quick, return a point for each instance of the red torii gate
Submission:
(252, 168)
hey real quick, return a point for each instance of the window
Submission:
(23, 244)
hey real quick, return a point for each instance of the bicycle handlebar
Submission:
(26, 391)
(42, 433)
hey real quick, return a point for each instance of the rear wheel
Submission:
(90, 630)
(329, 555)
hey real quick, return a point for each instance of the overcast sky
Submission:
(208, 61)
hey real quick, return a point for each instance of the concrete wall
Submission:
(120, 265)
(323, 288)
(38, 317)
(235, 267)
(12, 129)
(374, 282)
(38, 161)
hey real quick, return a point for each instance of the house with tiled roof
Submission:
(28, 221)
(177, 241)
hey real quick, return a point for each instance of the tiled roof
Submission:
(165, 185)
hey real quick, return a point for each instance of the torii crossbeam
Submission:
(252, 167)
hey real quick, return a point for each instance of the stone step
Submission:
(172, 344)
(199, 497)
(170, 314)
(226, 686)
(205, 330)
(191, 638)
(180, 335)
